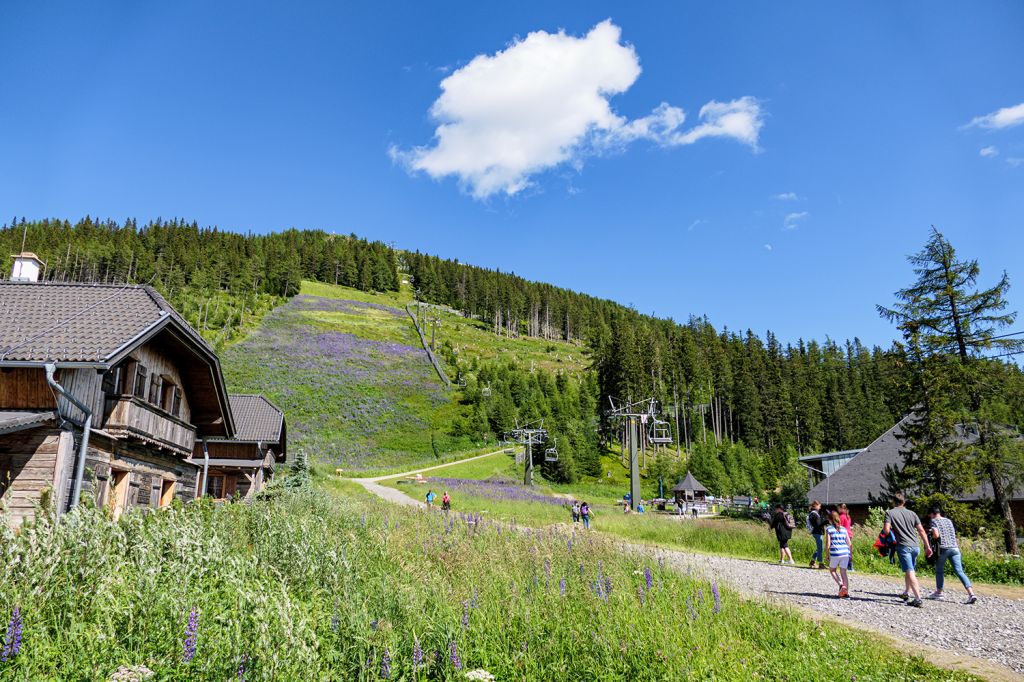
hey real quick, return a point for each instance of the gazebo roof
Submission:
(689, 484)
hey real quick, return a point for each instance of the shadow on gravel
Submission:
(832, 597)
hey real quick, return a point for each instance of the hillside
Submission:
(349, 371)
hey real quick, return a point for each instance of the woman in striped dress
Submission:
(837, 542)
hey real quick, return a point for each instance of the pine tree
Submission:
(948, 323)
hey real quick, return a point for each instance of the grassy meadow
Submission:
(493, 486)
(348, 369)
(320, 584)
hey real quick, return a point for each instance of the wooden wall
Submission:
(31, 461)
(25, 388)
(158, 363)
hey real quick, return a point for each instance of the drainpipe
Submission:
(206, 467)
(76, 489)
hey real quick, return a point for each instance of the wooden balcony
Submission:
(134, 417)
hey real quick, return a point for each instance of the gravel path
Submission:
(992, 629)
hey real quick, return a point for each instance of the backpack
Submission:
(886, 546)
(811, 522)
(790, 521)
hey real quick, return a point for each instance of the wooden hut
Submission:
(689, 489)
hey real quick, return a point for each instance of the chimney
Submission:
(27, 267)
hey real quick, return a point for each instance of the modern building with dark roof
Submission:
(860, 481)
(240, 466)
(104, 392)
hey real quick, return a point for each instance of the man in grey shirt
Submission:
(907, 527)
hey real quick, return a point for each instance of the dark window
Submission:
(215, 488)
(112, 381)
(167, 389)
(154, 389)
(176, 402)
(140, 381)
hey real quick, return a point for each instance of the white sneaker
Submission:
(937, 596)
(792, 563)
(971, 600)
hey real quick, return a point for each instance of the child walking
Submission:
(837, 541)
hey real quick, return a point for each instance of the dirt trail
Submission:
(397, 496)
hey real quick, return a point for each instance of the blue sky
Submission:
(260, 117)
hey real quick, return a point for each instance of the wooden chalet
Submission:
(110, 372)
(240, 466)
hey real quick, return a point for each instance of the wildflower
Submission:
(561, 586)
(547, 568)
(718, 596)
(191, 635)
(661, 563)
(453, 655)
(12, 640)
(700, 597)
(693, 611)
(385, 664)
(648, 580)
(417, 654)
(525, 647)
(581, 569)
(373, 624)
(363, 520)
(607, 587)
(242, 663)
(640, 594)
(465, 615)
(131, 673)
(480, 674)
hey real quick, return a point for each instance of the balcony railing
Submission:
(133, 416)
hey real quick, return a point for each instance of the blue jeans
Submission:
(819, 547)
(586, 520)
(908, 557)
(958, 567)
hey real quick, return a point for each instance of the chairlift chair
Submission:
(486, 390)
(658, 433)
(551, 455)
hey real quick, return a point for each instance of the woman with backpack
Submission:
(837, 541)
(816, 524)
(783, 524)
(585, 515)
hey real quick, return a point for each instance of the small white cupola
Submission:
(27, 267)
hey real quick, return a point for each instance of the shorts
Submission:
(908, 558)
(839, 561)
(784, 542)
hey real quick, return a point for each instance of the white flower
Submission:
(479, 674)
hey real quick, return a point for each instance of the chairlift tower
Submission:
(635, 417)
(529, 435)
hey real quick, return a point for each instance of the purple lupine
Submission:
(700, 597)
(373, 624)
(581, 569)
(465, 615)
(547, 567)
(385, 664)
(607, 587)
(473, 600)
(718, 596)
(191, 635)
(453, 655)
(693, 611)
(570, 543)
(417, 654)
(242, 665)
(12, 640)
(648, 580)
(561, 586)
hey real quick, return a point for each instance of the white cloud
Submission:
(768, 247)
(988, 151)
(1007, 117)
(544, 101)
(787, 196)
(792, 220)
(695, 224)
(1015, 162)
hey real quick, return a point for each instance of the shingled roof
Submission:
(862, 479)
(73, 322)
(256, 418)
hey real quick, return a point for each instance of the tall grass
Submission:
(314, 585)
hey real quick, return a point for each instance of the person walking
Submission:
(430, 499)
(907, 527)
(446, 502)
(847, 522)
(816, 524)
(837, 541)
(575, 512)
(782, 524)
(585, 515)
(944, 534)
